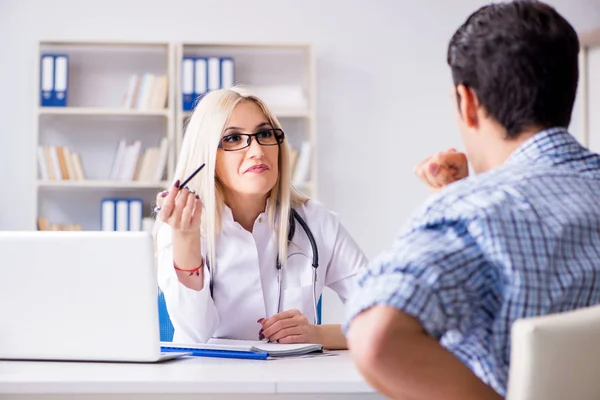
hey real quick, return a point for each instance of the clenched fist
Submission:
(443, 168)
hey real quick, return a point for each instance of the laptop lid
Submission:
(78, 296)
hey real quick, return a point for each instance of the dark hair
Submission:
(521, 60)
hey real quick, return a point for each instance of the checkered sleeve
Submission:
(435, 272)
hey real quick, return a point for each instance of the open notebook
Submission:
(247, 346)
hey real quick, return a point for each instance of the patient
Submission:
(431, 317)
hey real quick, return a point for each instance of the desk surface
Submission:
(334, 374)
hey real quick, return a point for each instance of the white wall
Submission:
(593, 85)
(383, 85)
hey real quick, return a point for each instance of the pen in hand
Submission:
(189, 178)
(181, 186)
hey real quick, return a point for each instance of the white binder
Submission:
(200, 77)
(122, 215)
(187, 83)
(47, 81)
(107, 215)
(214, 73)
(135, 215)
(227, 73)
(61, 81)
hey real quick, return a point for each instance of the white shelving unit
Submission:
(262, 67)
(95, 120)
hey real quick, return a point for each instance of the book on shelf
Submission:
(59, 163)
(131, 164)
(293, 159)
(146, 92)
(301, 165)
(281, 97)
(45, 225)
(117, 214)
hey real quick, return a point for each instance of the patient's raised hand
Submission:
(443, 168)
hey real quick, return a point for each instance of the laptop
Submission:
(79, 296)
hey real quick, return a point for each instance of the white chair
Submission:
(556, 357)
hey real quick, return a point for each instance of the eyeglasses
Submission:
(239, 141)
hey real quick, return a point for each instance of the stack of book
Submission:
(146, 92)
(59, 163)
(131, 165)
(45, 225)
(300, 163)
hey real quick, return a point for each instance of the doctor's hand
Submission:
(181, 208)
(443, 168)
(289, 326)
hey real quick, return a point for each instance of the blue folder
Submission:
(217, 353)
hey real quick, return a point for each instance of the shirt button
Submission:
(260, 220)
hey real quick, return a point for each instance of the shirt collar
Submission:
(548, 142)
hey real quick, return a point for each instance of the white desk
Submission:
(333, 377)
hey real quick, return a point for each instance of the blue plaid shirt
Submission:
(518, 241)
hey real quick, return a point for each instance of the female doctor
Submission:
(241, 254)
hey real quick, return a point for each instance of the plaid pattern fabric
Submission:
(518, 241)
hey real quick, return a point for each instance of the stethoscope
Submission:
(294, 216)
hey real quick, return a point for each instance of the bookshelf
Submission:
(99, 115)
(283, 75)
(95, 120)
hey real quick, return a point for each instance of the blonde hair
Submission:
(202, 136)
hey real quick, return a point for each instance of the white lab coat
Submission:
(245, 281)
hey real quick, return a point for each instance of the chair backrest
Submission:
(556, 357)
(164, 321)
(319, 309)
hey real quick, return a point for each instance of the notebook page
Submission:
(271, 348)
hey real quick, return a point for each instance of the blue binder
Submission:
(61, 80)
(188, 66)
(112, 220)
(135, 214)
(227, 75)
(46, 80)
(200, 78)
(217, 353)
(108, 214)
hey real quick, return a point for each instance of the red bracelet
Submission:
(191, 271)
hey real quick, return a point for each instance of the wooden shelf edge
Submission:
(93, 43)
(250, 45)
(278, 113)
(101, 111)
(99, 184)
(590, 38)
